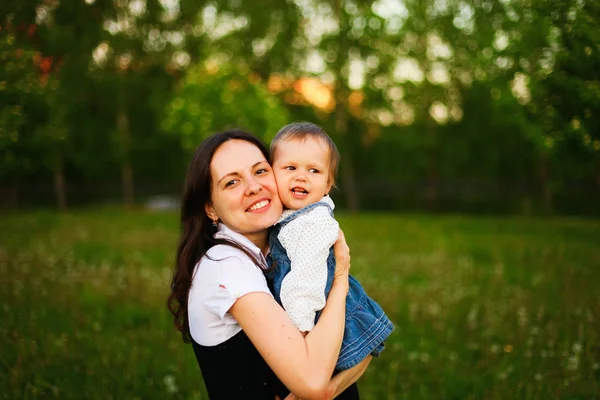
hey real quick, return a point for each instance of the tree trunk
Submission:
(126, 170)
(597, 172)
(431, 192)
(430, 126)
(341, 110)
(547, 198)
(348, 179)
(60, 191)
(431, 146)
(10, 196)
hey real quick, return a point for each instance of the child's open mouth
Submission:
(299, 192)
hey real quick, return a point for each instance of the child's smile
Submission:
(302, 171)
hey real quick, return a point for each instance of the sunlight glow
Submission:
(407, 69)
(519, 87)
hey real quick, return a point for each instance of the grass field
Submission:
(484, 308)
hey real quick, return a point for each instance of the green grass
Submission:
(485, 308)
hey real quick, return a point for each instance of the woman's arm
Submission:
(344, 379)
(303, 364)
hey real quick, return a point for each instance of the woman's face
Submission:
(243, 190)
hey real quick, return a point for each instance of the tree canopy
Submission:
(441, 105)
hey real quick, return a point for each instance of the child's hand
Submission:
(290, 396)
(342, 256)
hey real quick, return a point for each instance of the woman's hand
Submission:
(342, 256)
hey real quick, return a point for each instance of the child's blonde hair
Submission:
(302, 130)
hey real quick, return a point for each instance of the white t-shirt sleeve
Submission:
(237, 277)
(307, 241)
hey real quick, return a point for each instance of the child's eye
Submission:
(290, 168)
(314, 170)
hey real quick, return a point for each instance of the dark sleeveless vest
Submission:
(235, 369)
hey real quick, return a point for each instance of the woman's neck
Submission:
(260, 240)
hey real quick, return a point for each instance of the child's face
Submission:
(302, 171)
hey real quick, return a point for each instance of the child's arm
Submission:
(307, 241)
(344, 379)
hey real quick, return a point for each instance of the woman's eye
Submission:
(231, 183)
(290, 168)
(261, 171)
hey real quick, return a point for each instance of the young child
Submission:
(304, 160)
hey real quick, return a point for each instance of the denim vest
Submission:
(366, 327)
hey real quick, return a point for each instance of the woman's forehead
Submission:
(235, 156)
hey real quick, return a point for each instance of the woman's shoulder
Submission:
(228, 263)
(229, 254)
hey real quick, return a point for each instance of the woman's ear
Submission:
(210, 211)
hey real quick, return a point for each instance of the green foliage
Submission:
(210, 101)
(499, 96)
(483, 307)
(21, 108)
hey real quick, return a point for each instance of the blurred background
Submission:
(436, 105)
(469, 186)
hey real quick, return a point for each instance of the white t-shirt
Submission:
(221, 277)
(307, 240)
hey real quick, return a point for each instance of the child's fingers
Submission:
(342, 255)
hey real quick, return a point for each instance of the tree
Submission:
(207, 101)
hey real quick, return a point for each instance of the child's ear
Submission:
(329, 186)
(210, 212)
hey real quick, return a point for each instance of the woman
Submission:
(220, 298)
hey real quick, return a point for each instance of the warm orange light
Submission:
(316, 93)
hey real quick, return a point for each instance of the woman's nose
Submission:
(253, 187)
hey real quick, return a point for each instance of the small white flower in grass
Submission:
(169, 381)
(535, 330)
(573, 363)
(494, 348)
(522, 313)
(538, 377)
(577, 348)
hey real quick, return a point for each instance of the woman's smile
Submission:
(260, 206)
(244, 193)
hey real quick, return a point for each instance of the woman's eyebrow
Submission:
(259, 162)
(231, 174)
(237, 173)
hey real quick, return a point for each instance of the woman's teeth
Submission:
(259, 205)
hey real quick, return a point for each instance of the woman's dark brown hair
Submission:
(197, 229)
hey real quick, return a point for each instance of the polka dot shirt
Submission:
(307, 240)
